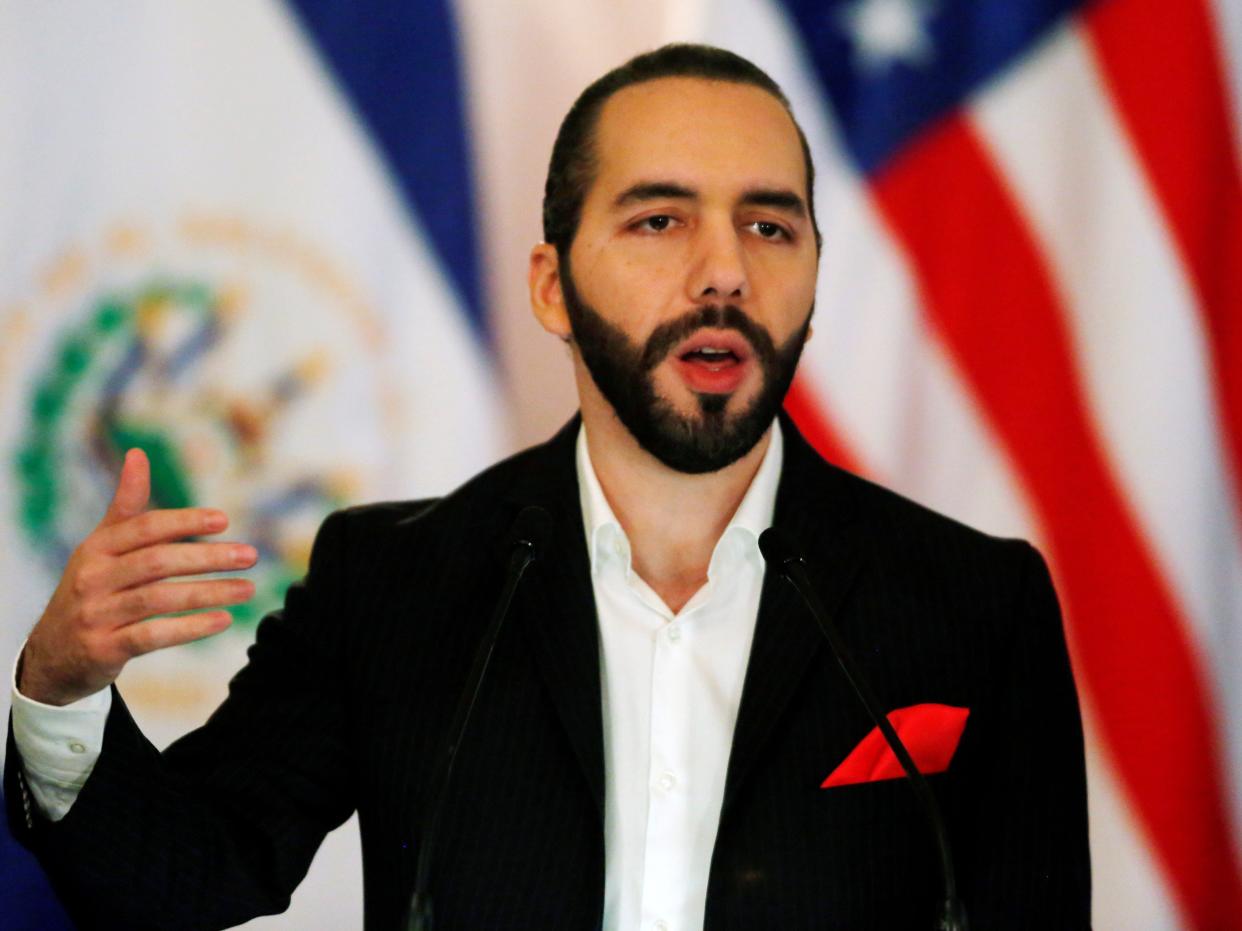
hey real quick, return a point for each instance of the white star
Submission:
(889, 31)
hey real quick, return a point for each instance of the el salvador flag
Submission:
(242, 234)
(26, 898)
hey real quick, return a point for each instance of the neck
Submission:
(673, 520)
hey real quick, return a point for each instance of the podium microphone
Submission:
(779, 553)
(525, 543)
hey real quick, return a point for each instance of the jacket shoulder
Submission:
(472, 507)
(907, 540)
(918, 522)
(920, 553)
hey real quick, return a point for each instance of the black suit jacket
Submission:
(348, 691)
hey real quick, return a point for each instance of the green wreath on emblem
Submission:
(93, 365)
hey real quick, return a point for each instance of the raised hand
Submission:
(98, 617)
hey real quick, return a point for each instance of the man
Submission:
(649, 745)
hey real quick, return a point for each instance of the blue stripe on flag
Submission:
(893, 67)
(397, 61)
(27, 902)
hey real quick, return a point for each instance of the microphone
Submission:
(780, 553)
(525, 542)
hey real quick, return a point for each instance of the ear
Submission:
(546, 298)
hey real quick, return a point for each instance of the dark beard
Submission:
(623, 370)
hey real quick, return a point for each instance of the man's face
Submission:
(690, 282)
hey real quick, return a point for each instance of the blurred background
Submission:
(281, 245)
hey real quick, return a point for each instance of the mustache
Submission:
(710, 316)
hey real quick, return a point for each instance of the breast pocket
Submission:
(888, 801)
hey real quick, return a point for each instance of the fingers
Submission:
(133, 488)
(168, 560)
(112, 582)
(146, 601)
(152, 527)
(172, 631)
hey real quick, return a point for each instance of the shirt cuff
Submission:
(59, 744)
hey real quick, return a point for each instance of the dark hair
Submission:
(574, 162)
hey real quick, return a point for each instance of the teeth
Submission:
(708, 351)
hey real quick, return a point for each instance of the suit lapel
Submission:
(558, 605)
(816, 509)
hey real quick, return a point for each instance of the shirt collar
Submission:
(606, 539)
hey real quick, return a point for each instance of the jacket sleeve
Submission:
(222, 825)
(1025, 852)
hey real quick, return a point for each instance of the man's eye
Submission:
(770, 230)
(657, 224)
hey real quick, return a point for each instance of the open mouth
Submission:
(714, 361)
(711, 356)
(714, 347)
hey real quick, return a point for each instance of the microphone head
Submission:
(778, 548)
(532, 528)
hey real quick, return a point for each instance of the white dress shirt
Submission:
(671, 686)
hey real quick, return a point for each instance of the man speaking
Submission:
(647, 726)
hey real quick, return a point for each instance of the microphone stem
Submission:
(951, 918)
(420, 914)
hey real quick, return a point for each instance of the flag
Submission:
(25, 894)
(1030, 317)
(227, 241)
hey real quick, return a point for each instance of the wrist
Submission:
(31, 684)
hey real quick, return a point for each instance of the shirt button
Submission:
(77, 747)
(661, 926)
(674, 633)
(667, 782)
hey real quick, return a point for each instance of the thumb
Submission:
(133, 489)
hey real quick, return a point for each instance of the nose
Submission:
(718, 269)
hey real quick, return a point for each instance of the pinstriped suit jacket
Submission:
(348, 691)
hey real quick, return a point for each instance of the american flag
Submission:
(1031, 317)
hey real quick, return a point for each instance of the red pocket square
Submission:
(930, 732)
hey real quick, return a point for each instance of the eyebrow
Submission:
(653, 190)
(787, 201)
(777, 198)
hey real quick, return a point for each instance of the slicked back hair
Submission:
(574, 163)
